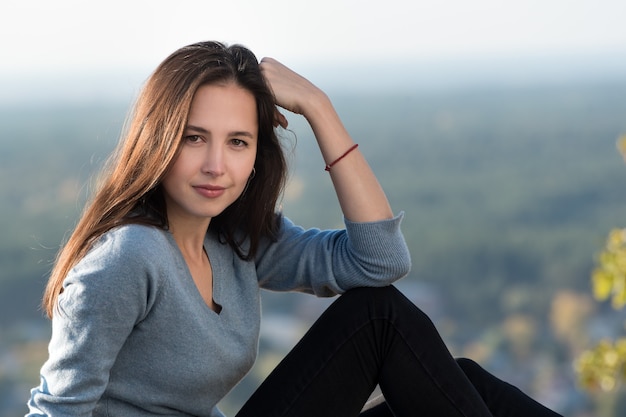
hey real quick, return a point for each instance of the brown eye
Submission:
(193, 138)
(239, 142)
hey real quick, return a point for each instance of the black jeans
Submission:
(371, 336)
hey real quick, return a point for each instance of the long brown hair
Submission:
(130, 190)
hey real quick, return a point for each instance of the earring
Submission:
(252, 175)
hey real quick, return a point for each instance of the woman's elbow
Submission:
(394, 268)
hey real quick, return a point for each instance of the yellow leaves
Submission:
(609, 277)
(604, 366)
(602, 284)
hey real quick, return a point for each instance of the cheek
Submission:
(176, 173)
(244, 174)
(184, 164)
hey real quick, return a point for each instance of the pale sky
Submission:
(40, 38)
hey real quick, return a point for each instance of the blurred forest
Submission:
(508, 194)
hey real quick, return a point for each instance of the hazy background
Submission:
(492, 124)
(102, 49)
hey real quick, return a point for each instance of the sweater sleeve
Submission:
(103, 297)
(329, 262)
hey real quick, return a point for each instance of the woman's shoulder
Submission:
(123, 254)
(133, 232)
(127, 264)
(133, 242)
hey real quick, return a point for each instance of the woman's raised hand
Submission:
(291, 91)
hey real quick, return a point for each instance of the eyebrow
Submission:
(199, 129)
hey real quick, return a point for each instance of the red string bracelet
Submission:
(353, 147)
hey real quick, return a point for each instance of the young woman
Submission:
(154, 299)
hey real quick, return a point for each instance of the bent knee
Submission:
(469, 367)
(368, 295)
(387, 301)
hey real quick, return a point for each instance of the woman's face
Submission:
(217, 155)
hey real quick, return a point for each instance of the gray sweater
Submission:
(133, 336)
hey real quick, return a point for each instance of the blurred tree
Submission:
(604, 366)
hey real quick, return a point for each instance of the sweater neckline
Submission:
(186, 279)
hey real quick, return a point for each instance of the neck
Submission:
(190, 238)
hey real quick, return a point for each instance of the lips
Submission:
(209, 191)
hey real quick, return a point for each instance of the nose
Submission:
(213, 162)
